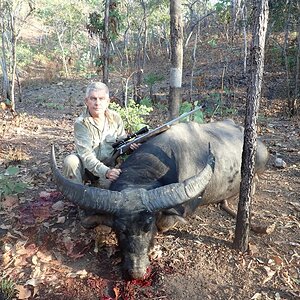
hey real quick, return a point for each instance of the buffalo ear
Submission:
(166, 221)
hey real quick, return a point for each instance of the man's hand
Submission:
(134, 146)
(113, 174)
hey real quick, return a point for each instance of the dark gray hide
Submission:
(165, 179)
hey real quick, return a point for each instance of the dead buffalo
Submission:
(163, 181)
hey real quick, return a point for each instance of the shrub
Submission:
(8, 184)
(133, 115)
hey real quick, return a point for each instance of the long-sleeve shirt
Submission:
(94, 144)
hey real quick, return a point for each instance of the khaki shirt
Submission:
(94, 144)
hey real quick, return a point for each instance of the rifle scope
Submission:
(130, 136)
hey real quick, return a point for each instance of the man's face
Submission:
(97, 103)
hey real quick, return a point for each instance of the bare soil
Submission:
(50, 256)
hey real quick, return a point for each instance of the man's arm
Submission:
(84, 147)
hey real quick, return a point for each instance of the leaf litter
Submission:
(46, 252)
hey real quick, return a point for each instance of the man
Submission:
(95, 130)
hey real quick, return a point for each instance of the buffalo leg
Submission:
(257, 228)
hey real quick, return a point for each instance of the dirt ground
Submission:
(50, 256)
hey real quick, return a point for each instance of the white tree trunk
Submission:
(176, 30)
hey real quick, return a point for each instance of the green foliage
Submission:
(7, 289)
(7, 102)
(66, 21)
(146, 102)
(159, 16)
(8, 184)
(279, 10)
(24, 54)
(187, 107)
(223, 10)
(152, 78)
(95, 24)
(212, 43)
(217, 105)
(133, 115)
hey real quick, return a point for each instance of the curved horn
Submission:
(86, 197)
(177, 193)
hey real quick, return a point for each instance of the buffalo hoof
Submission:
(88, 221)
(167, 222)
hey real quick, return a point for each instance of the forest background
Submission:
(67, 39)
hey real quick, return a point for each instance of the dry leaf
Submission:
(61, 220)
(270, 274)
(253, 249)
(117, 292)
(44, 194)
(23, 292)
(3, 106)
(34, 260)
(58, 206)
(4, 227)
(278, 260)
(32, 281)
(266, 229)
(68, 244)
(9, 202)
(43, 257)
(256, 296)
(6, 258)
(20, 261)
(82, 273)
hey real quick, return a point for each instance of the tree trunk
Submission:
(249, 150)
(297, 83)
(194, 62)
(285, 53)
(63, 56)
(141, 54)
(14, 67)
(11, 23)
(176, 30)
(106, 43)
(5, 79)
(244, 20)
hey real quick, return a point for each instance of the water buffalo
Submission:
(163, 181)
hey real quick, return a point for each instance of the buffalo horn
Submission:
(177, 193)
(99, 200)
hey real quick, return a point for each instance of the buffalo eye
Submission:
(148, 223)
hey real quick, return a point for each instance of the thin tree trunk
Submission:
(106, 43)
(176, 30)
(5, 78)
(12, 15)
(297, 83)
(244, 18)
(285, 53)
(195, 26)
(249, 150)
(194, 61)
(19, 86)
(141, 60)
(63, 54)
(14, 67)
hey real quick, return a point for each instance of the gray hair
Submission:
(96, 86)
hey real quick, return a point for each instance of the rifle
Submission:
(144, 134)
